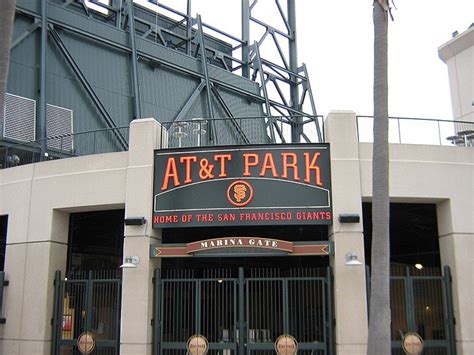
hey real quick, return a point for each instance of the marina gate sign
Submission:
(245, 185)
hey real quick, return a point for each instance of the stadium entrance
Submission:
(242, 306)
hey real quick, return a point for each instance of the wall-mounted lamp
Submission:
(352, 259)
(131, 262)
(135, 221)
(349, 218)
(419, 266)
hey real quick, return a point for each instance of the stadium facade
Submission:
(152, 202)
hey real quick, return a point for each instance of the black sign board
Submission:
(242, 185)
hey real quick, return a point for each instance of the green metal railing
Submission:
(62, 146)
(243, 313)
(408, 130)
(176, 134)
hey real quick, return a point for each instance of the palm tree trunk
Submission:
(7, 15)
(379, 341)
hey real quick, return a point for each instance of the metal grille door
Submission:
(243, 313)
(87, 305)
(421, 302)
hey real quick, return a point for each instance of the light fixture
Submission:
(419, 266)
(349, 218)
(135, 221)
(131, 262)
(352, 259)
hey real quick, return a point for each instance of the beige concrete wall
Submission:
(137, 289)
(458, 54)
(350, 299)
(445, 176)
(37, 199)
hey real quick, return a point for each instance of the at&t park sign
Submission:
(245, 185)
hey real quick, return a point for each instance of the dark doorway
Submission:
(95, 240)
(413, 234)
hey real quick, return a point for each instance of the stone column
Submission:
(350, 298)
(137, 288)
(456, 233)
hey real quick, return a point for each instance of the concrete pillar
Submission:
(456, 233)
(137, 288)
(36, 248)
(350, 298)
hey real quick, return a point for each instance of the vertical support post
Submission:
(57, 312)
(189, 25)
(242, 329)
(297, 127)
(285, 306)
(157, 312)
(89, 310)
(447, 280)
(41, 120)
(245, 38)
(330, 312)
(410, 306)
(197, 304)
(136, 92)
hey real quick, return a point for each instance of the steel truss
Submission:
(188, 36)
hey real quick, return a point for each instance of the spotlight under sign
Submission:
(244, 185)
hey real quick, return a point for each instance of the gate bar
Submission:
(156, 321)
(329, 295)
(449, 310)
(56, 313)
(241, 311)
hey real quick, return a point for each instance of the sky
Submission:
(335, 41)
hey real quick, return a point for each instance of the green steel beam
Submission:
(258, 63)
(227, 110)
(245, 38)
(86, 85)
(41, 114)
(212, 131)
(190, 101)
(134, 60)
(32, 28)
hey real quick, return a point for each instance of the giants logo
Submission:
(240, 193)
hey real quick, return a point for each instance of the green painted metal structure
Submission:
(110, 72)
(124, 61)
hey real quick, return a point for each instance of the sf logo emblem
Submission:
(240, 193)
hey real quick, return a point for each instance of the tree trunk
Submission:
(379, 341)
(7, 15)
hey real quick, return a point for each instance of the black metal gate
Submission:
(243, 312)
(87, 306)
(421, 302)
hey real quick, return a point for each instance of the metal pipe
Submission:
(294, 94)
(245, 38)
(136, 92)
(41, 115)
(189, 25)
(241, 312)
